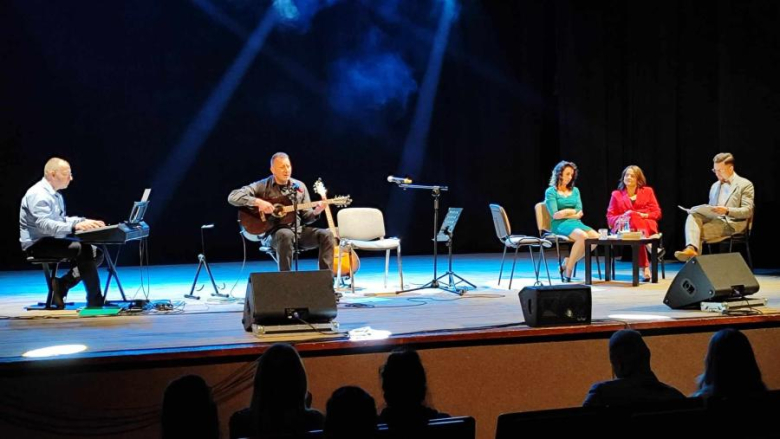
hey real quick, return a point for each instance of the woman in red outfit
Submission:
(634, 202)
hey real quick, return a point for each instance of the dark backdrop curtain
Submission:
(664, 85)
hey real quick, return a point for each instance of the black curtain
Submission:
(664, 85)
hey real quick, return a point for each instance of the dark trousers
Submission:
(85, 259)
(310, 237)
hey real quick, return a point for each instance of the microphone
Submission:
(290, 188)
(398, 180)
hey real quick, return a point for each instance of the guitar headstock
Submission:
(341, 200)
(319, 189)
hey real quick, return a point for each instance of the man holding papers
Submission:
(730, 206)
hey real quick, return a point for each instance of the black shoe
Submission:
(562, 268)
(58, 292)
(95, 303)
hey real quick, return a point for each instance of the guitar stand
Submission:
(202, 262)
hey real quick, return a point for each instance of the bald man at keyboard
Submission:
(42, 226)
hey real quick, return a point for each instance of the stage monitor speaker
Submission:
(275, 298)
(556, 305)
(711, 277)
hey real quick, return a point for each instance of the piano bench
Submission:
(49, 273)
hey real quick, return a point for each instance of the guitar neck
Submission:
(304, 206)
(329, 217)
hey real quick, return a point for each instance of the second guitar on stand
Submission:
(349, 261)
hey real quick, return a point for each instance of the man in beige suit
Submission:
(732, 198)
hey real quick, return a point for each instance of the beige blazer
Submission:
(740, 201)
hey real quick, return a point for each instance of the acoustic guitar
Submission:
(258, 223)
(349, 259)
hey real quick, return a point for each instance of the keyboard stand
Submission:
(116, 235)
(112, 273)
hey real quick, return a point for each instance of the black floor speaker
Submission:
(556, 305)
(277, 298)
(711, 277)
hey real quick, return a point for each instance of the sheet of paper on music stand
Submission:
(448, 225)
(704, 210)
(139, 208)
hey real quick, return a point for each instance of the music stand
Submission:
(445, 235)
(139, 209)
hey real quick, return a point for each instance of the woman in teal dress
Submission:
(565, 206)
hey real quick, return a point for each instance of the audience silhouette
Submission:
(188, 410)
(730, 368)
(405, 388)
(350, 414)
(634, 383)
(279, 400)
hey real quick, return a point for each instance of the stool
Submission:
(50, 274)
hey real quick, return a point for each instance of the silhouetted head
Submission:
(403, 379)
(188, 409)
(628, 354)
(730, 367)
(351, 414)
(280, 381)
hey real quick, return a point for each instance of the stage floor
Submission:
(212, 326)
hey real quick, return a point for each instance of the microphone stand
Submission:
(436, 194)
(292, 194)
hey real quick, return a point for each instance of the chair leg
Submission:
(387, 265)
(338, 269)
(501, 270)
(400, 269)
(272, 254)
(546, 267)
(533, 263)
(538, 265)
(47, 273)
(514, 262)
(351, 273)
(558, 253)
(663, 266)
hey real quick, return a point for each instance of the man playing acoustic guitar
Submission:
(261, 197)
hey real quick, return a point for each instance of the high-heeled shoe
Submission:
(562, 269)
